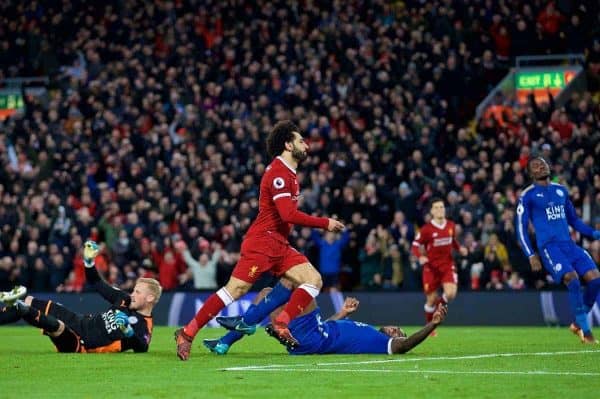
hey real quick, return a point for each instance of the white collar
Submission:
(286, 164)
(439, 226)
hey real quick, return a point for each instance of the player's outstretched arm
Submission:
(111, 294)
(350, 306)
(289, 213)
(577, 223)
(403, 345)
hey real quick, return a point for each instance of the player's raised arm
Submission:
(403, 345)
(111, 294)
(350, 306)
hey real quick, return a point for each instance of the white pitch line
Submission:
(532, 372)
(408, 359)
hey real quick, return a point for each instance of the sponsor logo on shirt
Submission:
(439, 242)
(555, 212)
(109, 321)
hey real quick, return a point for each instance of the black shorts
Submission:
(67, 342)
(71, 319)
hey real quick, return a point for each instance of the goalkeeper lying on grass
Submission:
(126, 325)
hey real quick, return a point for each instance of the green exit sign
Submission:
(11, 101)
(543, 80)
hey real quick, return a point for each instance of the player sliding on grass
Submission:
(126, 325)
(266, 247)
(551, 212)
(339, 336)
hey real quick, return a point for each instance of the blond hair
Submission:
(153, 285)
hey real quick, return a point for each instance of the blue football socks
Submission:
(591, 293)
(278, 296)
(577, 305)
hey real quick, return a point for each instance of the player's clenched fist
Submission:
(350, 305)
(335, 226)
(440, 314)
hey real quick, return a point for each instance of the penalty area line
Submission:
(275, 367)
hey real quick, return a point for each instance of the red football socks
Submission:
(299, 301)
(429, 312)
(428, 317)
(209, 310)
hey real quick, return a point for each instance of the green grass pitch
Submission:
(466, 362)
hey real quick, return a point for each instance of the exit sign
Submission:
(543, 80)
(10, 102)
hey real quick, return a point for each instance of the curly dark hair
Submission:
(283, 132)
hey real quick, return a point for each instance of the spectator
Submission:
(162, 137)
(330, 247)
(495, 283)
(371, 270)
(202, 271)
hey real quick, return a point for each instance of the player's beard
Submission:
(299, 155)
(543, 177)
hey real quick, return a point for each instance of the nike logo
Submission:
(539, 195)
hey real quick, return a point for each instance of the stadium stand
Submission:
(153, 125)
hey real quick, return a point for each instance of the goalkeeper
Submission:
(126, 325)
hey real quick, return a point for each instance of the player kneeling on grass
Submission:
(338, 335)
(126, 325)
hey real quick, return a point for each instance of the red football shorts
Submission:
(434, 277)
(264, 254)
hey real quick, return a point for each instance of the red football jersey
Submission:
(438, 242)
(278, 203)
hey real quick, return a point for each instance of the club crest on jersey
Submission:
(132, 320)
(559, 192)
(278, 183)
(252, 271)
(558, 267)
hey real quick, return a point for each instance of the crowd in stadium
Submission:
(152, 141)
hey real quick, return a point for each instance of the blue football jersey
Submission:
(336, 336)
(551, 212)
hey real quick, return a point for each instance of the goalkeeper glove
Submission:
(122, 321)
(90, 250)
(596, 234)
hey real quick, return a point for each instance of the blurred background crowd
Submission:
(152, 142)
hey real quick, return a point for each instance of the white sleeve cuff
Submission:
(282, 195)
